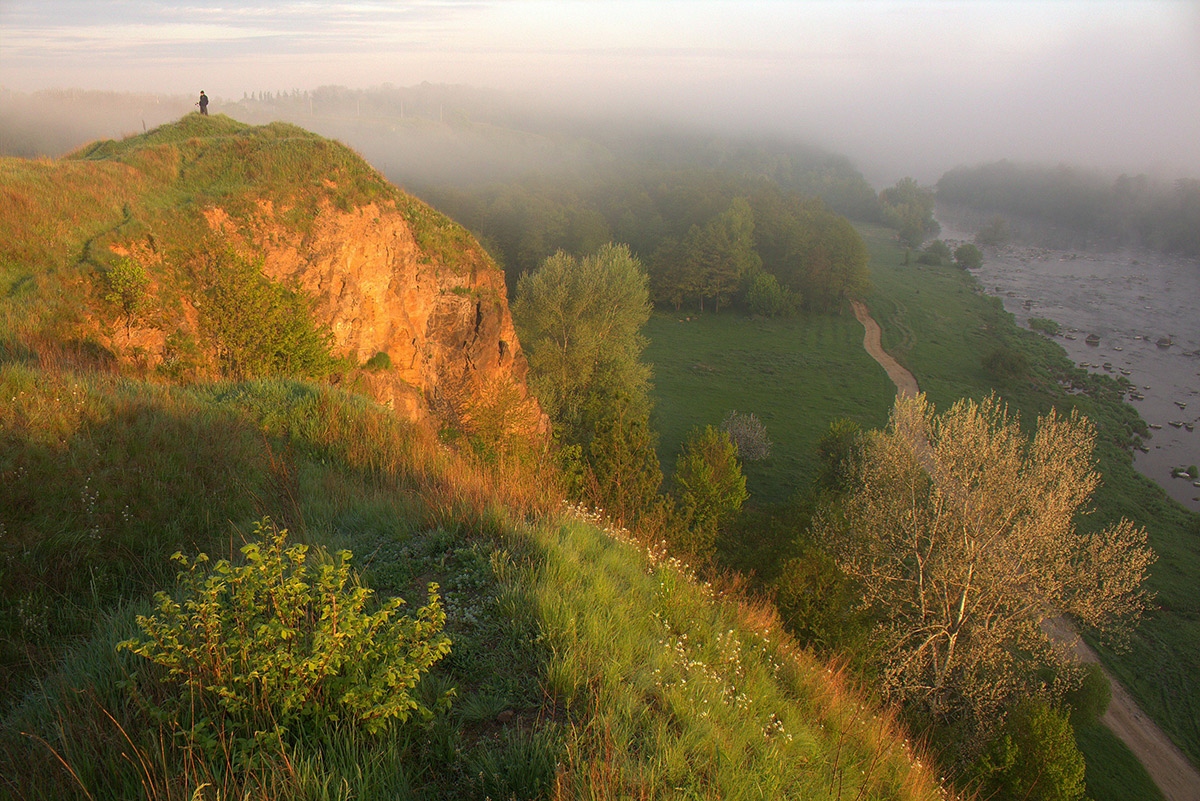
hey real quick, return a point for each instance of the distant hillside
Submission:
(191, 324)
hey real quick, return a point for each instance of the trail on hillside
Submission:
(906, 385)
(1168, 767)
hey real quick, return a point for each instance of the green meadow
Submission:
(797, 374)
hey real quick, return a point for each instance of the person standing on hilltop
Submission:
(203, 104)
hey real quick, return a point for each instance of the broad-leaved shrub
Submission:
(257, 649)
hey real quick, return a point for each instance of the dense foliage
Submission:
(250, 653)
(960, 532)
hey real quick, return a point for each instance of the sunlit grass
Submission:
(584, 666)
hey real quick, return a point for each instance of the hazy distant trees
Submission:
(816, 255)
(960, 532)
(711, 261)
(908, 208)
(1123, 210)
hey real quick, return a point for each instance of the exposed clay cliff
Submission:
(384, 272)
(445, 328)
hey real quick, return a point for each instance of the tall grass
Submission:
(583, 666)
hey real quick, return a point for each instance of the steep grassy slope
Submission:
(622, 677)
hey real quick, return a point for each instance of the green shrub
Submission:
(1034, 757)
(1005, 364)
(127, 286)
(1045, 325)
(258, 327)
(709, 482)
(968, 257)
(251, 651)
(380, 361)
(936, 253)
(1089, 701)
(766, 297)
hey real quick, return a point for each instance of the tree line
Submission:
(1125, 210)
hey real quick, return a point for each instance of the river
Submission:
(1126, 313)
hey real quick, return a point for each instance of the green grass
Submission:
(1113, 772)
(618, 675)
(797, 374)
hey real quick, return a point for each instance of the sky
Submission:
(900, 87)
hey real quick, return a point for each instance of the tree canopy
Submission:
(909, 209)
(961, 534)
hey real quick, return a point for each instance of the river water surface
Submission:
(1125, 313)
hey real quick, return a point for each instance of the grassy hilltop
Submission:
(581, 663)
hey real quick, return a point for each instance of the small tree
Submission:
(708, 479)
(622, 474)
(961, 534)
(968, 257)
(128, 288)
(748, 435)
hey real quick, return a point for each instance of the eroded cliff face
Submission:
(445, 328)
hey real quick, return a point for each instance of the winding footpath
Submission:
(1168, 767)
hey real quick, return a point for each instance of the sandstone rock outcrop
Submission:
(445, 328)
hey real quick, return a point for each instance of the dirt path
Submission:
(906, 385)
(1163, 760)
(1168, 767)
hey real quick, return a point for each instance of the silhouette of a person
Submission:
(203, 104)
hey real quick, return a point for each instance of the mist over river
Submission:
(1144, 308)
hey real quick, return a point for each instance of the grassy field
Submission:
(798, 375)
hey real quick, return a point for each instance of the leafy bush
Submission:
(1045, 325)
(968, 257)
(1005, 364)
(766, 297)
(1035, 756)
(709, 481)
(1090, 700)
(748, 434)
(250, 651)
(936, 253)
(128, 288)
(258, 327)
(380, 361)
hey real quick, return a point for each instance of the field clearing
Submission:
(798, 375)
